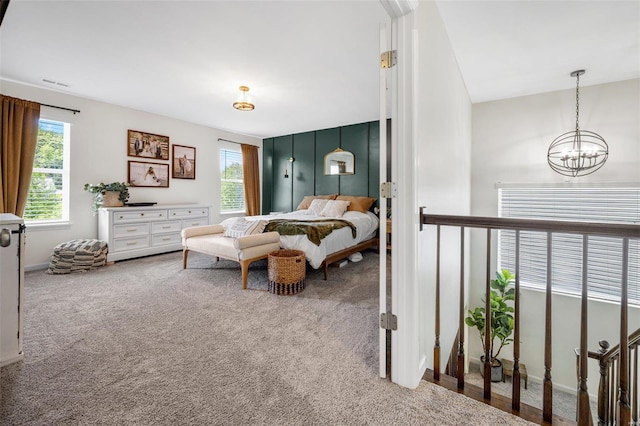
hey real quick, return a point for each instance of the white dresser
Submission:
(141, 231)
(11, 287)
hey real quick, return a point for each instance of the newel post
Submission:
(603, 386)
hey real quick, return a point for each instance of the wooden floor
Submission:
(500, 402)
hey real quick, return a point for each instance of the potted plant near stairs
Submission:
(502, 322)
(113, 194)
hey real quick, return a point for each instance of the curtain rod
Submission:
(239, 143)
(74, 111)
(227, 140)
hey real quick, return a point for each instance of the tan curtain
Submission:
(18, 139)
(251, 172)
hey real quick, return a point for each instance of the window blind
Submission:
(231, 181)
(606, 205)
(45, 200)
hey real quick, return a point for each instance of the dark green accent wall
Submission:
(281, 198)
(374, 159)
(326, 141)
(267, 174)
(306, 173)
(304, 178)
(355, 138)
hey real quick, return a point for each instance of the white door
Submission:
(11, 278)
(396, 102)
(385, 74)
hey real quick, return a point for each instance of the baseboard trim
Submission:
(36, 267)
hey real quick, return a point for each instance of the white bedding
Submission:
(340, 239)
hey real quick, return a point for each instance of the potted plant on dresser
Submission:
(114, 194)
(502, 322)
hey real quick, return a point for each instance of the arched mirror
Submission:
(339, 162)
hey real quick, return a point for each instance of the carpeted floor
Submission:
(145, 342)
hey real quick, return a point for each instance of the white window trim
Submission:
(64, 222)
(232, 148)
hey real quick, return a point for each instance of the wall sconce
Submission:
(286, 172)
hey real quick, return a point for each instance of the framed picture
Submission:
(141, 144)
(183, 164)
(148, 174)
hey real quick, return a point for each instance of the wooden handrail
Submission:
(607, 358)
(634, 339)
(540, 225)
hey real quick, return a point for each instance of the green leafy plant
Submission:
(98, 191)
(502, 322)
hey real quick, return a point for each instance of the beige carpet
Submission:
(144, 342)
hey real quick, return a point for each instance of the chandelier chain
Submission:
(577, 101)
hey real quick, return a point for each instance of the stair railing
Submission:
(609, 390)
(621, 231)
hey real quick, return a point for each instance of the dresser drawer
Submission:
(164, 227)
(195, 222)
(122, 244)
(189, 212)
(139, 216)
(164, 239)
(130, 230)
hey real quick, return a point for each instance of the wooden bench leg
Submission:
(244, 266)
(185, 252)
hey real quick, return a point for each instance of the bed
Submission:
(353, 230)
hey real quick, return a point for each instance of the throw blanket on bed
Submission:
(315, 230)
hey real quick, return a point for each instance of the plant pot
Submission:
(111, 199)
(496, 369)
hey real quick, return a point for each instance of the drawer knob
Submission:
(189, 211)
(132, 243)
(141, 214)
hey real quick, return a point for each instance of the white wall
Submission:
(510, 142)
(99, 154)
(440, 171)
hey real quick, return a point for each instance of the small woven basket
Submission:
(287, 269)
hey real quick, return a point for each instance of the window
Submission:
(608, 205)
(231, 183)
(48, 198)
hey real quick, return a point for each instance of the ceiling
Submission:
(310, 64)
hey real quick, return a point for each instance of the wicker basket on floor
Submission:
(287, 269)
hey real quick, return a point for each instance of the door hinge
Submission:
(388, 321)
(388, 59)
(388, 190)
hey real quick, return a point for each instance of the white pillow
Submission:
(243, 227)
(335, 208)
(316, 206)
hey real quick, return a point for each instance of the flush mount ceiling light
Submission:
(243, 103)
(579, 152)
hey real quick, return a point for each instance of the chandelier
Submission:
(578, 152)
(243, 103)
